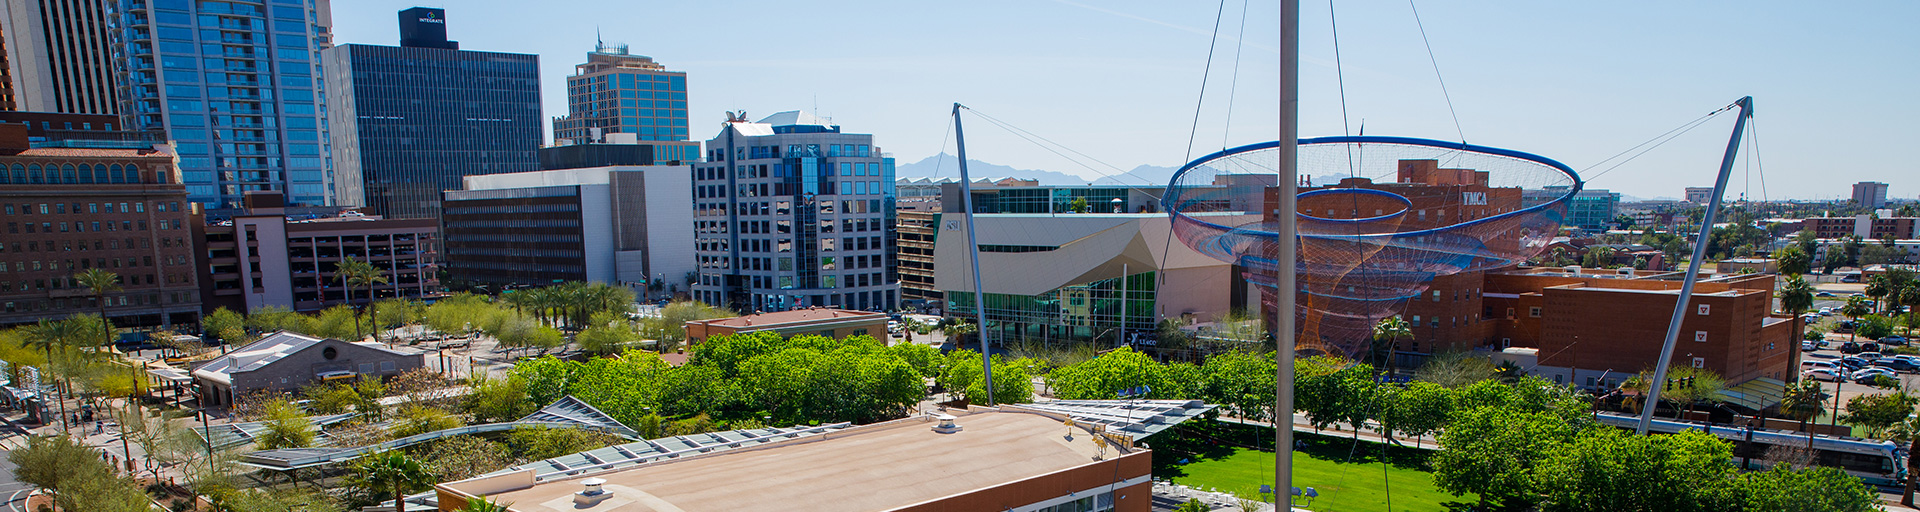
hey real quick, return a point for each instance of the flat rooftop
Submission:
(874, 467)
(797, 316)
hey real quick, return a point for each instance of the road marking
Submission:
(14, 500)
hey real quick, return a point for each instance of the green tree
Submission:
(392, 472)
(1242, 383)
(100, 282)
(55, 464)
(98, 489)
(957, 331)
(1420, 409)
(535, 443)
(1880, 411)
(1607, 469)
(1856, 307)
(1332, 390)
(1492, 452)
(334, 398)
(482, 504)
(607, 333)
(415, 420)
(1873, 327)
(276, 318)
(1804, 400)
(286, 426)
(1814, 489)
(1078, 205)
(1103, 377)
(354, 273)
(1793, 260)
(497, 399)
(1012, 383)
(225, 325)
(1387, 334)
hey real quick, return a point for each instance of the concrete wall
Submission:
(268, 235)
(1019, 495)
(597, 233)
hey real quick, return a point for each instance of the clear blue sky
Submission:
(1575, 81)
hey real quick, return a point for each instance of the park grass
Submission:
(1348, 479)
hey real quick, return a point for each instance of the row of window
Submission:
(65, 227)
(98, 245)
(62, 209)
(70, 174)
(151, 299)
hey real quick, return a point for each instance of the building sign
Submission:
(1474, 198)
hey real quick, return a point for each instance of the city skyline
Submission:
(1577, 83)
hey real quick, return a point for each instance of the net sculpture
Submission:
(1379, 219)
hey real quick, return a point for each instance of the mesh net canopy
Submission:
(1379, 218)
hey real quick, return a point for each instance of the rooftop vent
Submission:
(593, 494)
(946, 426)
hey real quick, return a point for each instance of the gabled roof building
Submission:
(284, 361)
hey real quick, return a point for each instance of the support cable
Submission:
(1436, 72)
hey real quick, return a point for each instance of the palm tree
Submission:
(1910, 297)
(355, 273)
(395, 471)
(1878, 288)
(1796, 298)
(101, 282)
(959, 329)
(1804, 401)
(1390, 330)
(1856, 307)
(48, 335)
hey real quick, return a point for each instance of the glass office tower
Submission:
(616, 92)
(235, 84)
(790, 212)
(410, 121)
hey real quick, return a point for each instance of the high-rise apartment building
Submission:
(1870, 194)
(410, 121)
(59, 55)
(7, 99)
(789, 212)
(236, 85)
(616, 92)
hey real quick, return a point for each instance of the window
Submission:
(1699, 335)
(1704, 308)
(1699, 362)
(1509, 313)
(1534, 311)
(366, 367)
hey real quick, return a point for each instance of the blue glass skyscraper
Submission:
(410, 121)
(235, 84)
(617, 92)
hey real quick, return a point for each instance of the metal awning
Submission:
(1135, 418)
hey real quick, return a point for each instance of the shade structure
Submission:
(1379, 218)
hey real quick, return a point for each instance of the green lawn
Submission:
(1345, 483)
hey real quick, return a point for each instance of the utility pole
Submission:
(973, 251)
(1284, 248)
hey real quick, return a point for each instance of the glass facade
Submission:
(410, 122)
(1048, 199)
(236, 85)
(614, 92)
(802, 217)
(1078, 311)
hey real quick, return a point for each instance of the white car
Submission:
(1821, 374)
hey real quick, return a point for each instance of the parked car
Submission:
(1826, 375)
(1823, 294)
(1823, 342)
(1869, 347)
(1908, 358)
(1868, 375)
(1851, 362)
(1870, 356)
(1894, 341)
(1850, 348)
(1809, 346)
(1897, 364)
(1817, 365)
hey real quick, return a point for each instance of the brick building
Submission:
(1869, 227)
(262, 257)
(1586, 324)
(117, 206)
